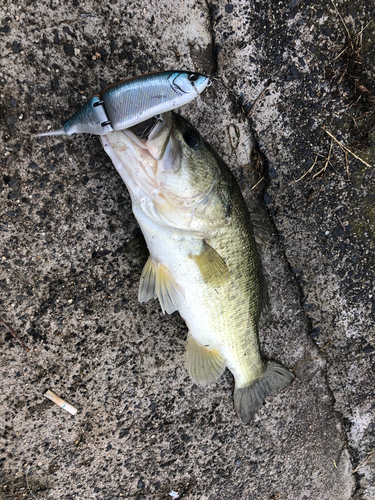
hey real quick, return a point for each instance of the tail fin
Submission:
(248, 400)
(61, 131)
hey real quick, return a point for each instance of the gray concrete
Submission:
(71, 256)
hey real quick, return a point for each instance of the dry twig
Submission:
(354, 38)
(328, 344)
(258, 99)
(255, 185)
(309, 170)
(369, 458)
(347, 164)
(326, 163)
(344, 148)
(341, 224)
(342, 20)
(14, 335)
(237, 135)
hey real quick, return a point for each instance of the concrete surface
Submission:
(71, 256)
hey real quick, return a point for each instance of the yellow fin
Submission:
(156, 281)
(167, 290)
(147, 285)
(203, 364)
(213, 269)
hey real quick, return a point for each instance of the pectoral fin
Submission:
(156, 281)
(203, 364)
(213, 269)
(147, 285)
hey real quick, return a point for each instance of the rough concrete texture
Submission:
(71, 256)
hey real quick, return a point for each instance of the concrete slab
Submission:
(72, 253)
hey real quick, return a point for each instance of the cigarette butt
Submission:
(60, 402)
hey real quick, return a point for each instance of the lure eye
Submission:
(192, 139)
(193, 77)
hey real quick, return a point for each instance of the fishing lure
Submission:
(132, 101)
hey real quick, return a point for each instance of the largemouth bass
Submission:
(203, 257)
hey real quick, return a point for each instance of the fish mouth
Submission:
(143, 129)
(132, 160)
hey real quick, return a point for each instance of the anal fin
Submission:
(212, 266)
(156, 281)
(203, 364)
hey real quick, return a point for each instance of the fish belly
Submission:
(199, 303)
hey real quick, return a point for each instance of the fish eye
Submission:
(193, 77)
(192, 139)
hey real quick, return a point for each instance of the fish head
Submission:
(186, 171)
(173, 175)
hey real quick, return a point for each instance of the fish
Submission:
(132, 101)
(203, 260)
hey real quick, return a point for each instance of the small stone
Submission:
(338, 231)
(141, 485)
(68, 49)
(368, 349)
(16, 47)
(10, 120)
(294, 71)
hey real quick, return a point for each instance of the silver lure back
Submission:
(132, 101)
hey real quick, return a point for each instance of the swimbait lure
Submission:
(132, 101)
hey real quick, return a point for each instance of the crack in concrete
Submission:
(235, 101)
(213, 41)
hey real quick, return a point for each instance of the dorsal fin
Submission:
(204, 365)
(213, 268)
(261, 233)
(265, 306)
(156, 281)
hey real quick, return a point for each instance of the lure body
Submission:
(132, 101)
